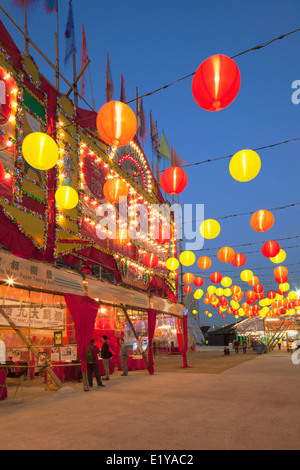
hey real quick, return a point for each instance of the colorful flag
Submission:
(164, 147)
(176, 159)
(109, 82)
(122, 95)
(70, 34)
(154, 137)
(84, 59)
(143, 129)
(51, 5)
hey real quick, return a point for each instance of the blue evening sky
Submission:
(154, 43)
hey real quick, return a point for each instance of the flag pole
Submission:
(57, 52)
(74, 81)
(91, 88)
(26, 29)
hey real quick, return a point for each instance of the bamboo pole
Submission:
(31, 348)
(79, 76)
(45, 57)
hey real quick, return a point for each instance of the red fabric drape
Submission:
(151, 329)
(182, 332)
(84, 312)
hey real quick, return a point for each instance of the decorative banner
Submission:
(34, 274)
(35, 316)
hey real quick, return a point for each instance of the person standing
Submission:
(93, 364)
(124, 357)
(105, 355)
(244, 344)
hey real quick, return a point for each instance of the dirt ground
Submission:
(205, 361)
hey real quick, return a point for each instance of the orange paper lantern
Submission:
(204, 262)
(114, 189)
(280, 271)
(116, 123)
(188, 278)
(151, 260)
(262, 220)
(122, 237)
(226, 254)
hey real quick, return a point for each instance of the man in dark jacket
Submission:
(105, 355)
(93, 364)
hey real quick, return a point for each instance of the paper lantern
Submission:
(2, 172)
(206, 301)
(122, 237)
(226, 282)
(253, 281)
(116, 123)
(40, 151)
(216, 83)
(211, 290)
(151, 260)
(174, 180)
(245, 165)
(172, 264)
(162, 233)
(238, 260)
(187, 258)
(279, 258)
(188, 278)
(262, 220)
(246, 275)
(66, 197)
(204, 262)
(114, 189)
(199, 282)
(198, 294)
(270, 249)
(280, 271)
(235, 289)
(271, 294)
(187, 289)
(210, 229)
(258, 288)
(226, 254)
(216, 277)
(227, 291)
(195, 312)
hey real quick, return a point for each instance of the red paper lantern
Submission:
(258, 288)
(162, 233)
(271, 295)
(187, 289)
(281, 280)
(262, 220)
(270, 249)
(226, 254)
(204, 262)
(238, 260)
(151, 260)
(199, 282)
(174, 180)
(216, 83)
(216, 277)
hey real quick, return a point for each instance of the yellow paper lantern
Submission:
(209, 315)
(219, 292)
(195, 312)
(211, 289)
(172, 264)
(187, 258)
(279, 258)
(226, 282)
(246, 275)
(227, 292)
(198, 294)
(241, 312)
(66, 197)
(284, 287)
(292, 295)
(210, 229)
(40, 151)
(234, 305)
(245, 165)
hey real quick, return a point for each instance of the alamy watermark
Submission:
(296, 93)
(144, 221)
(296, 354)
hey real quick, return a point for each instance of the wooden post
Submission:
(31, 348)
(136, 336)
(26, 29)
